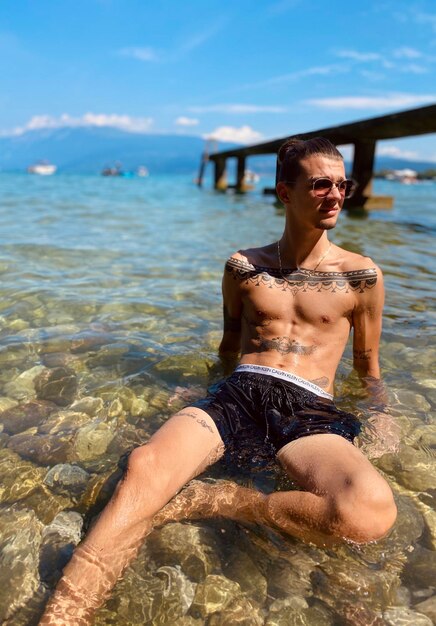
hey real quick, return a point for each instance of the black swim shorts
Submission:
(262, 406)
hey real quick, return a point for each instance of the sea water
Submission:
(110, 319)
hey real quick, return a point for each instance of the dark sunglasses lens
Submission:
(322, 186)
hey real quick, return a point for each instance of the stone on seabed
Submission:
(294, 611)
(21, 417)
(242, 569)
(241, 611)
(22, 387)
(92, 440)
(59, 385)
(214, 594)
(427, 607)
(193, 548)
(89, 405)
(414, 469)
(66, 479)
(18, 478)
(20, 539)
(401, 616)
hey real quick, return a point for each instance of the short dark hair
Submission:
(292, 151)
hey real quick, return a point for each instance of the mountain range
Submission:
(87, 150)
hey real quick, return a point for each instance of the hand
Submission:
(381, 436)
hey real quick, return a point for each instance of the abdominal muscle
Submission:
(313, 361)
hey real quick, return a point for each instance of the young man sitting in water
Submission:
(289, 308)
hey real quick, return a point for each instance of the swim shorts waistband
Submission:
(292, 378)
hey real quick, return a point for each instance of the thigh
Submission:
(185, 446)
(327, 464)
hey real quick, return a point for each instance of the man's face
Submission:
(304, 205)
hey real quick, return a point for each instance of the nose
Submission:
(335, 191)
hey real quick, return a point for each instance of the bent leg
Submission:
(182, 448)
(342, 497)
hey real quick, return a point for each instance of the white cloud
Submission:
(372, 102)
(243, 135)
(359, 56)
(141, 54)
(238, 108)
(396, 152)
(414, 68)
(407, 53)
(123, 122)
(186, 121)
(321, 70)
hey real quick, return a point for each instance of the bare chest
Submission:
(300, 296)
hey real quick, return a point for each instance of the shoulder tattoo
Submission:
(300, 280)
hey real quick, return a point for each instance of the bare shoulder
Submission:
(252, 258)
(347, 261)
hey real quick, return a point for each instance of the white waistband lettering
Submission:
(292, 378)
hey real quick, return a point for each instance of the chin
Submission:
(327, 225)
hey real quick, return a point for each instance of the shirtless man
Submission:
(289, 308)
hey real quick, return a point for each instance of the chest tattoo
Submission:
(301, 280)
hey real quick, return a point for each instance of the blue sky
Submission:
(240, 70)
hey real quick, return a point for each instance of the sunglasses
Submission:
(321, 187)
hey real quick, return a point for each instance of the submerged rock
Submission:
(243, 570)
(420, 570)
(92, 441)
(23, 386)
(405, 617)
(295, 611)
(21, 417)
(414, 469)
(18, 478)
(66, 479)
(240, 611)
(194, 548)
(428, 608)
(214, 594)
(20, 538)
(42, 449)
(89, 405)
(58, 541)
(59, 385)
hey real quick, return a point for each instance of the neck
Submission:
(301, 250)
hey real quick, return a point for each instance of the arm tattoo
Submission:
(362, 355)
(199, 420)
(285, 345)
(232, 324)
(321, 382)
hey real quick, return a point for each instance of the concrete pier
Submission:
(363, 135)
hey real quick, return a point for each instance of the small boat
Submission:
(251, 177)
(142, 171)
(115, 170)
(43, 168)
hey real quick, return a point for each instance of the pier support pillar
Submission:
(240, 175)
(363, 168)
(220, 174)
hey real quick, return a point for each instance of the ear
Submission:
(282, 192)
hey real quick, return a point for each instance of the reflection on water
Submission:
(110, 318)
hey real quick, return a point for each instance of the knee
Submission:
(367, 510)
(141, 467)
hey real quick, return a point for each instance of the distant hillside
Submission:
(88, 150)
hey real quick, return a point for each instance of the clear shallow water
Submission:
(110, 304)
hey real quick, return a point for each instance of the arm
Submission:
(367, 325)
(232, 309)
